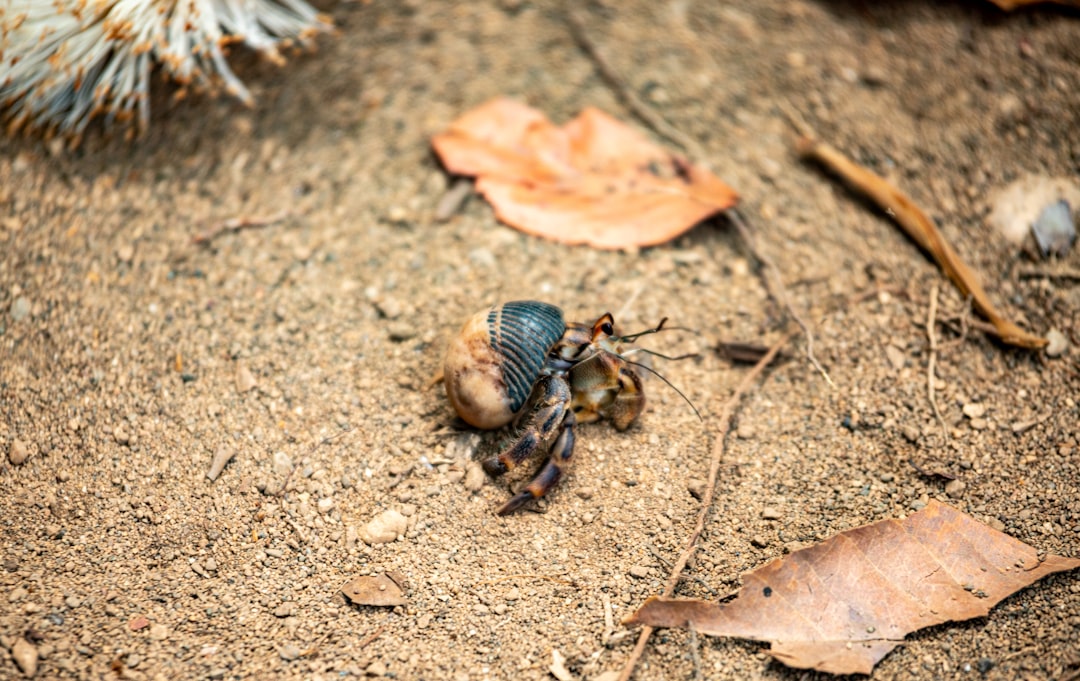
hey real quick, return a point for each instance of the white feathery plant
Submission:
(63, 62)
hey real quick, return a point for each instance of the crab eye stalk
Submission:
(605, 326)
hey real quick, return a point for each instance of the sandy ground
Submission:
(129, 355)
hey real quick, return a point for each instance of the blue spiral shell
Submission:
(522, 332)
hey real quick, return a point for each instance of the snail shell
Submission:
(494, 361)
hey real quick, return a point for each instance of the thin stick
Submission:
(726, 416)
(1045, 272)
(643, 111)
(914, 222)
(695, 654)
(931, 321)
(775, 286)
(237, 224)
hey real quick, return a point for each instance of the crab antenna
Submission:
(646, 351)
(634, 336)
(670, 385)
(630, 338)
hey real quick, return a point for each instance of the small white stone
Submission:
(385, 527)
(974, 410)
(1057, 343)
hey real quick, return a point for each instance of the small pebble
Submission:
(20, 309)
(25, 656)
(474, 476)
(513, 594)
(585, 492)
(283, 464)
(1010, 106)
(389, 308)
(326, 505)
(639, 571)
(18, 453)
(896, 357)
(454, 477)
(376, 668)
(955, 488)
(17, 594)
(401, 330)
(159, 632)
(696, 487)
(770, 513)
(1054, 229)
(979, 424)
(759, 541)
(245, 380)
(210, 565)
(72, 602)
(1057, 343)
(385, 527)
(910, 433)
(974, 410)
(286, 609)
(221, 457)
(745, 432)
(289, 652)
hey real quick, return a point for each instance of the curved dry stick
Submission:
(921, 229)
(726, 415)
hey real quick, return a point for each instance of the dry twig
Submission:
(237, 224)
(726, 417)
(1048, 273)
(919, 228)
(931, 321)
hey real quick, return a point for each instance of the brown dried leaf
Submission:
(593, 181)
(842, 605)
(382, 590)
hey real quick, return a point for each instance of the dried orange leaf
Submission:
(593, 181)
(380, 591)
(842, 605)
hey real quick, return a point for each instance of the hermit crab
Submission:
(521, 362)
